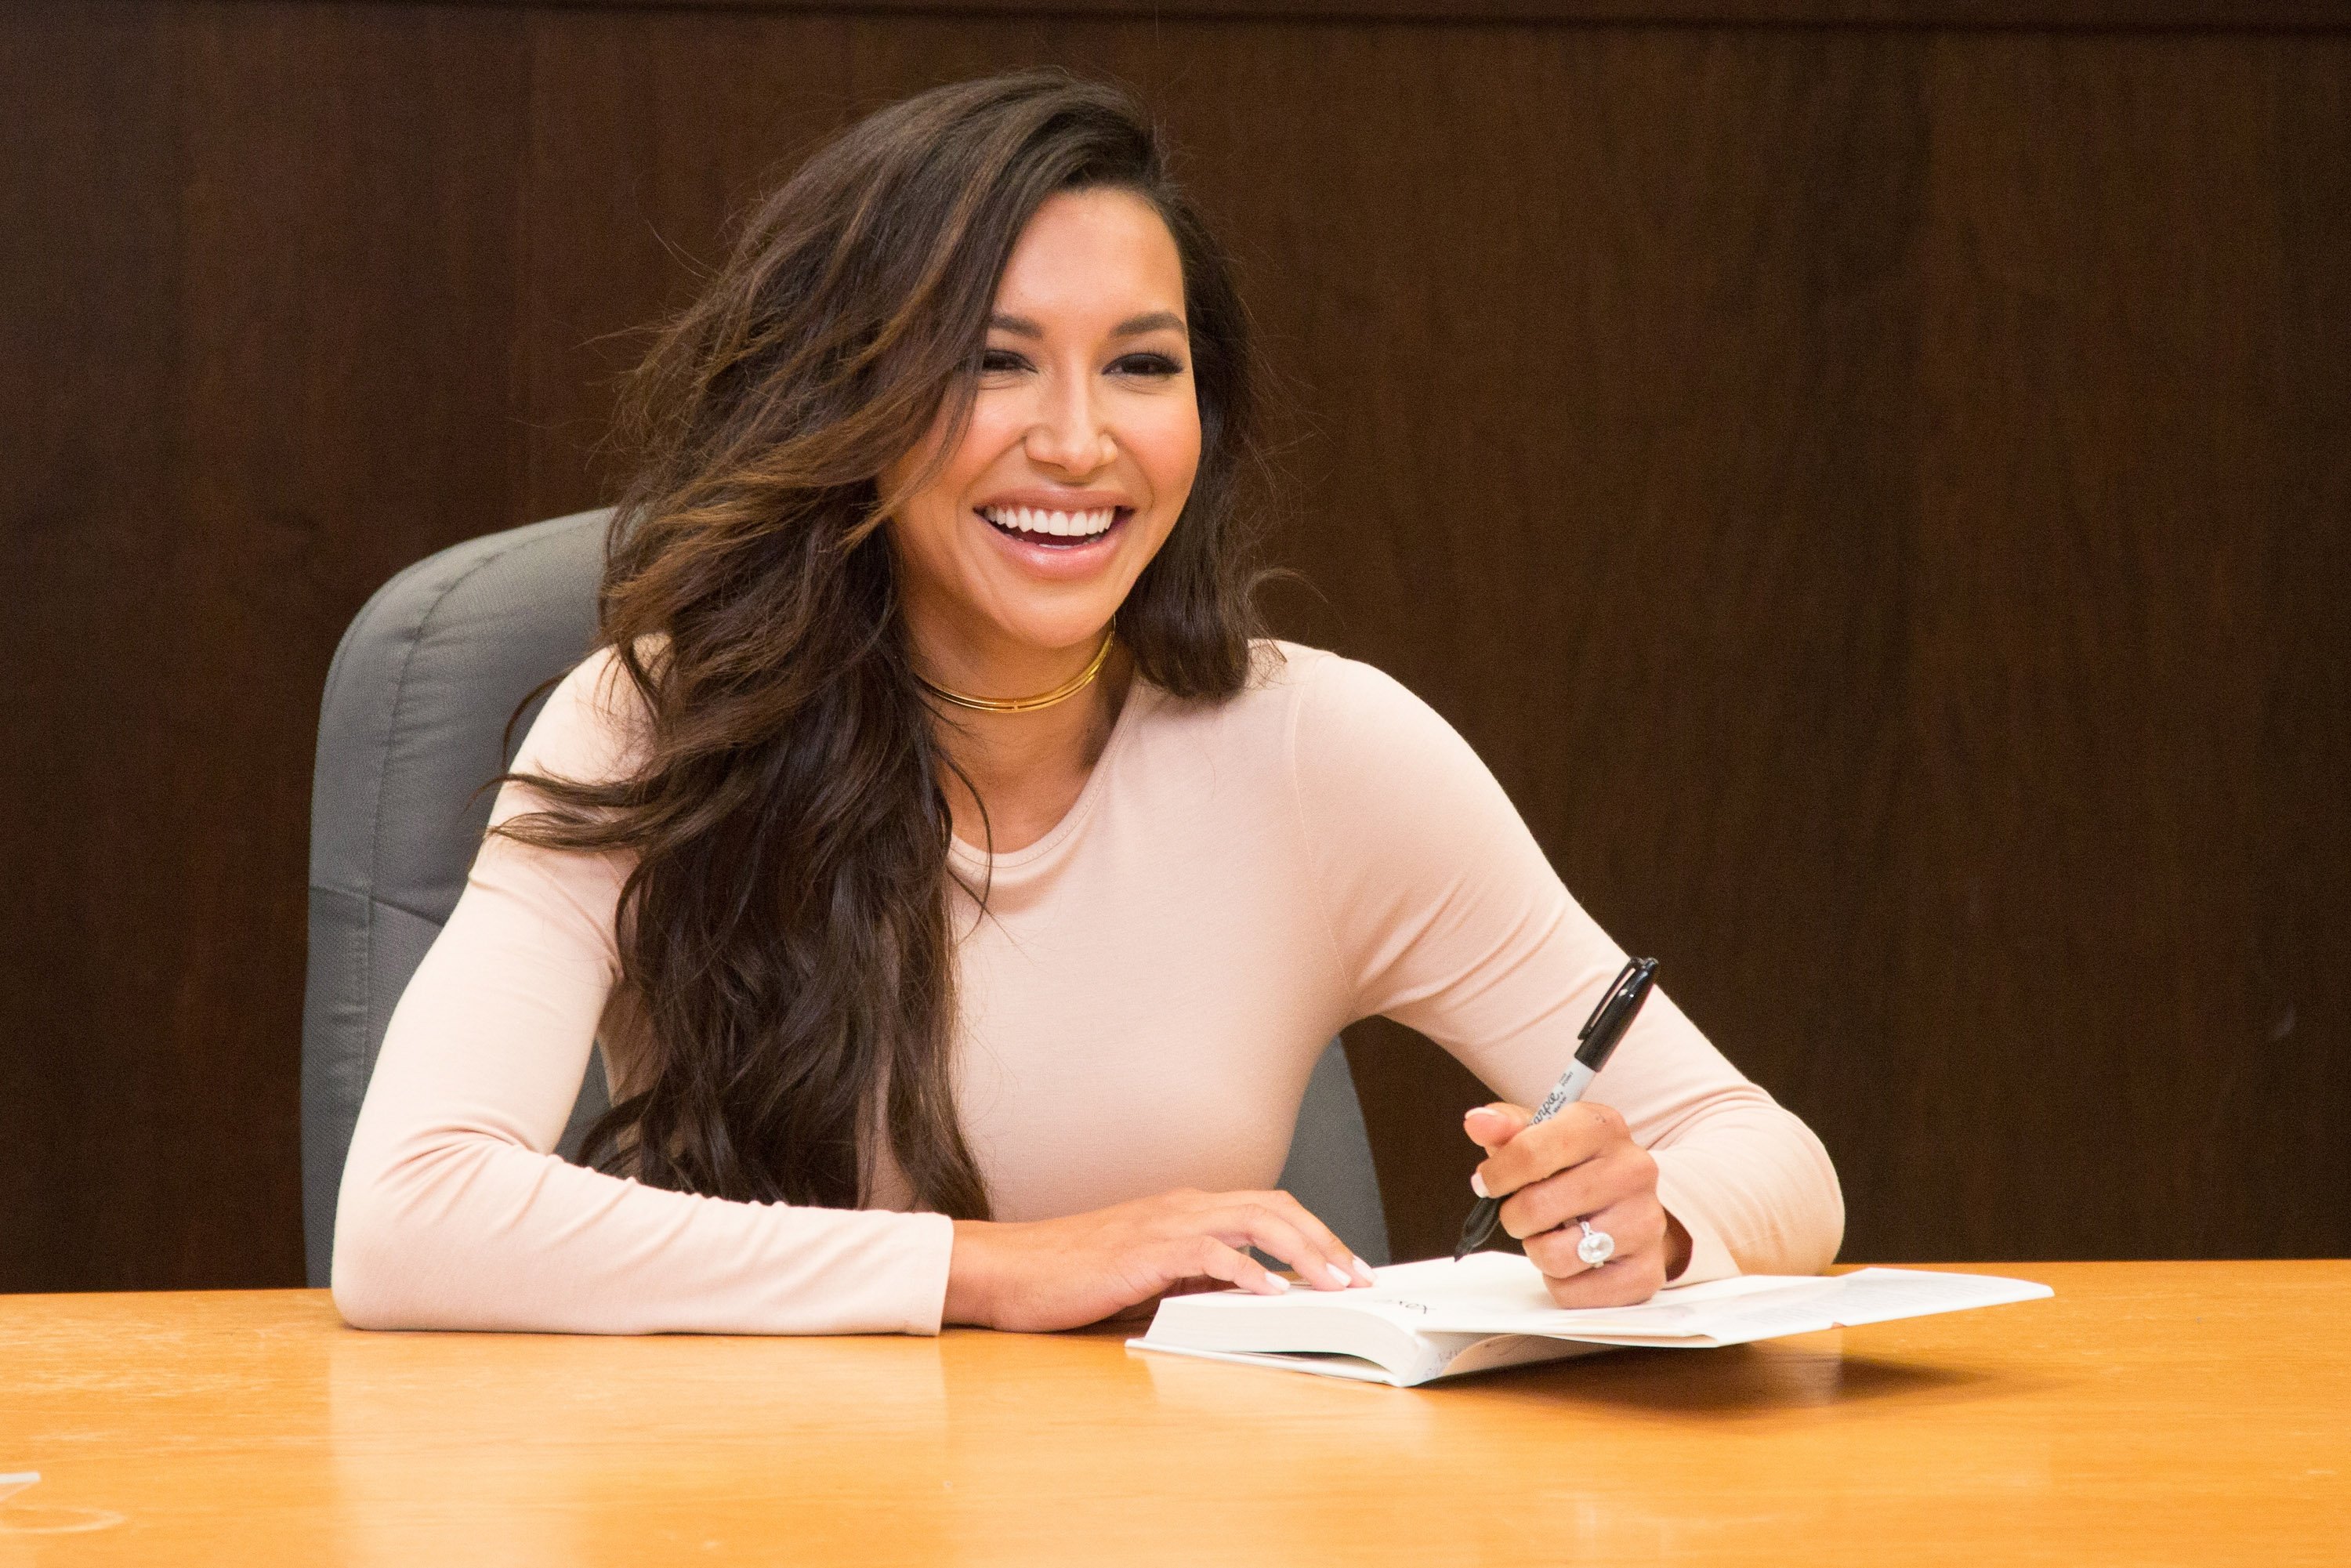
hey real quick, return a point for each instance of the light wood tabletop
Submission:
(2152, 1413)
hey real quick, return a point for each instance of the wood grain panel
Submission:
(2293, 1089)
(2112, 384)
(1873, 494)
(91, 335)
(647, 193)
(316, 246)
(2044, 15)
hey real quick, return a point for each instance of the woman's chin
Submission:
(1051, 641)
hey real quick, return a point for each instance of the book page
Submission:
(1721, 1311)
(1502, 1293)
(1882, 1295)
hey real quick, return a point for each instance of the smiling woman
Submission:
(960, 885)
(1023, 523)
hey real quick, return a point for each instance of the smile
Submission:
(1051, 529)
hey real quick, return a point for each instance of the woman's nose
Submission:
(1070, 436)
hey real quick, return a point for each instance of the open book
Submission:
(1440, 1319)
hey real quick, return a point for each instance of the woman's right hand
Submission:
(1062, 1273)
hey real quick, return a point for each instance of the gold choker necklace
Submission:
(1062, 693)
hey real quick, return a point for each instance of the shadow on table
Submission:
(1741, 1379)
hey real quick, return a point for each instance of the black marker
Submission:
(1598, 1040)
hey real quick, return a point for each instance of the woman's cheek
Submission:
(1167, 450)
(999, 417)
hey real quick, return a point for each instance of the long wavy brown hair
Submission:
(784, 927)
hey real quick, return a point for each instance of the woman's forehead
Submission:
(1091, 261)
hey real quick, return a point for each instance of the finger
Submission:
(1633, 1274)
(1189, 1285)
(1491, 1126)
(1208, 1256)
(1579, 1132)
(1266, 1228)
(1615, 1174)
(1242, 1218)
(1637, 1227)
(1624, 1282)
(1575, 1135)
(1339, 1255)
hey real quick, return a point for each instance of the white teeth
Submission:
(1066, 525)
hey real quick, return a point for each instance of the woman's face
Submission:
(1081, 446)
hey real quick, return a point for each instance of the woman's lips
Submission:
(1058, 548)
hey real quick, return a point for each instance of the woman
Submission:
(960, 888)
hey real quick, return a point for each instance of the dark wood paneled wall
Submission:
(1875, 495)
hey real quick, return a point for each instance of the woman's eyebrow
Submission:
(1133, 327)
(1149, 321)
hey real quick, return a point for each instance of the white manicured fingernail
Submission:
(1478, 1185)
(1279, 1283)
(1363, 1271)
(1339, 1277)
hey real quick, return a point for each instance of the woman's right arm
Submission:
(456, 1212)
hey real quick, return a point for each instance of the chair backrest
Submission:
(416, 705)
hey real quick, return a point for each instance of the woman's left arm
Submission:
(1445, 915)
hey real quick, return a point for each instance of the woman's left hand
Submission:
(1583, 1163)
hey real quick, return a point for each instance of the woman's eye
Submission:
(993, 362)
(1147, 365)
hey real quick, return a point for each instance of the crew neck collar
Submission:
(1140, 694)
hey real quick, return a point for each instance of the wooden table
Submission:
(2153, 1412)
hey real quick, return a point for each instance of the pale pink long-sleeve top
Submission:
(1140, 1012)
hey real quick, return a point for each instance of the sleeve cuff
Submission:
(933, 1250)
(1709, 1256)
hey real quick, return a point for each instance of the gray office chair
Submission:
(417, 699)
